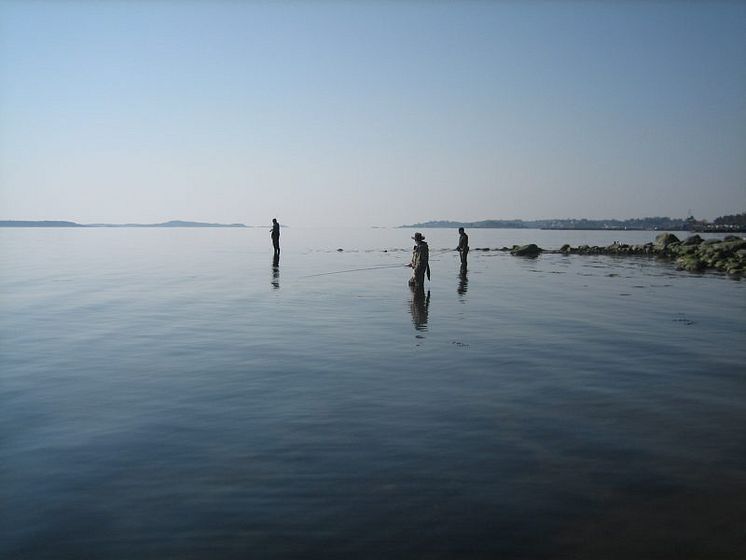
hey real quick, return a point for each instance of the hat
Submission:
(417, 236)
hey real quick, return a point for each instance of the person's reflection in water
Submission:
(418, 307)
(463, 282)
(276, 271)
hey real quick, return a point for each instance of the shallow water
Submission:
(168, 393)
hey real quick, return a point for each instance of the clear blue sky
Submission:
(371, 113)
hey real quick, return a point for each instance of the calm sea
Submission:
(169, 393)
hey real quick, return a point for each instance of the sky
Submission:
(370, 113)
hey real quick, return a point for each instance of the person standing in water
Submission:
(463, 246)
(275, 236)
(420, 261)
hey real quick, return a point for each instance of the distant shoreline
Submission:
(488, 224)
(724, 224)
(693, 230)
(65, 224)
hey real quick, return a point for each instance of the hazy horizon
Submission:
(284, 224)
(370, 113)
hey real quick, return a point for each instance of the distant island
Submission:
(171, 224)
(723, 224)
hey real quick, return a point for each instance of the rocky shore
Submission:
(693, 253)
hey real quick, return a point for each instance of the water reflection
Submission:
(463, 283)
(276, 271)
(418, 307)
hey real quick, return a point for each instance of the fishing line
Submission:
(354, 270)
(358, 270)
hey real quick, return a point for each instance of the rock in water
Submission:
(690, 263)
(693, 240)
(530, 250)
(665, 239)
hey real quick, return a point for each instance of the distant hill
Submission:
(45, 223)
(172, 223)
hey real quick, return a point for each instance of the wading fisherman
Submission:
(275, 234)
(463, 246)
(420, 261)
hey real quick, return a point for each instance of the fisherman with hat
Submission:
(420, 258)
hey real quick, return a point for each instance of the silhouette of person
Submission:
(418, 306)
(420, 261)
(463, 246)
(276, 270)
(275, 234)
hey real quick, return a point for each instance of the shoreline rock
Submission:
(531, 250)
(693, 254)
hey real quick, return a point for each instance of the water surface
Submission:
(169, 393)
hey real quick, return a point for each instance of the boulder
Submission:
(734, 245)
(685, 249)
(690, 263)
(530, 250)
(663, 240)
(693, 240)
(617, 248)
(726, 249)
